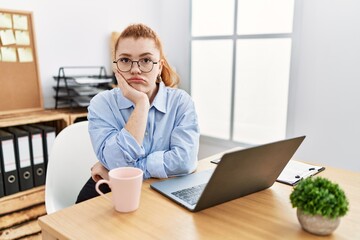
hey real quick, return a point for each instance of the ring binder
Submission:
(22, 156)
(2, 190)
(36, 154)
(8, 163)
(48, 138)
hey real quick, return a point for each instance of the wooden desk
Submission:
(264, 215)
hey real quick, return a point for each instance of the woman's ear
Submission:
(114, 68)
(161, 64)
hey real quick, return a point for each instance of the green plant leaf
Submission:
(319, 196)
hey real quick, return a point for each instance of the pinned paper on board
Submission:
(18, 64)
(5, 20)
(25, 55)
(20, 22)
(22, 37)
(7, 37)
(8, 54)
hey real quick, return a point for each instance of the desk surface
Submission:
(264, 215)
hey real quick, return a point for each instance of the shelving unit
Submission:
(75, 86)
(24, 105)
(19, 212)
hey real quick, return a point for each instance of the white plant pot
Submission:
(317, 224)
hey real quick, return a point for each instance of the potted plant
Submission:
(320, 203)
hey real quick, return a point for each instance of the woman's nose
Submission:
(135, 68)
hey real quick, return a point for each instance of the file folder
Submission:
(48, 136)
(8, 163)
(2, 190)
(295, 171)
(22, 156)
(36, 154)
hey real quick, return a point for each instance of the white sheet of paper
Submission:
(24, 151)
(8, 54)
(50, 138)
(89, 80)
(5, 20)
(20, 22)
(37, 148)
(22, 37)
(8, 155)
(7, 37)
(25, 55)
(295, 170)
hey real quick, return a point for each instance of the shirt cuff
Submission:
(130, 146)
(155, 165)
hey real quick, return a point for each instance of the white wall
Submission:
(175, 33)
(324, 100)
(77, 32)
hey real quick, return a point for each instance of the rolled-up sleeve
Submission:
(155, 164)
(181, 159)
(113, 144)
(122, 150)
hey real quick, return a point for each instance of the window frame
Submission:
(234, 37)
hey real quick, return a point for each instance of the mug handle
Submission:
(102, 181)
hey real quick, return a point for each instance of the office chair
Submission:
(70, 160)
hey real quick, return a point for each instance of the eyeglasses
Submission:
(125, 64)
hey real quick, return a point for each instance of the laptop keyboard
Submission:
(190, 195)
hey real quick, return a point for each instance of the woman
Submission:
(145, 123)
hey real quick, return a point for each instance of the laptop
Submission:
(237, 174)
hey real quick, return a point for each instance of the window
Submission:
(240, 67)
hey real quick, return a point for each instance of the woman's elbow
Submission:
(190, 168)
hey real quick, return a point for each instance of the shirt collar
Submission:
(159, 101)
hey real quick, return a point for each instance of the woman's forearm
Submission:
(136, 125)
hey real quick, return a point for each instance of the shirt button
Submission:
(146, 133)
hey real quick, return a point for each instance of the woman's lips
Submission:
(136, 80)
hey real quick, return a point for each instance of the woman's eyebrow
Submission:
(125, 55)
(146, 54)
(141, 55)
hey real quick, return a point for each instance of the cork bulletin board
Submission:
(20, 86)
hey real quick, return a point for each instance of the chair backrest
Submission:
(70, 160)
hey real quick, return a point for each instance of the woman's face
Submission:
(129, 49)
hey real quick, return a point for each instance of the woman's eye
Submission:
(125, 60)
(146, 60)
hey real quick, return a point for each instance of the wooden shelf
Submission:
(22, 200)
(73, 113)
(8, 120)
(19, 212)
(22, 106)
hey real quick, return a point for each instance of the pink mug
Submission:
(125, 184)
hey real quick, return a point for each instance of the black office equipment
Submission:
(8, 163)
(48, 137)
(238, 174)
(36, 154)
(22, 156)
(75, 86)
(2, 187)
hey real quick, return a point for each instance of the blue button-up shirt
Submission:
(171, 140)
